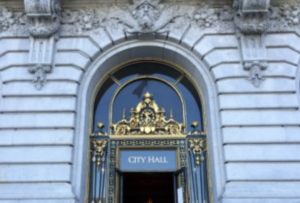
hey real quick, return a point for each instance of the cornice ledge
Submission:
(160, 18)
(147, 17)
(251, 16)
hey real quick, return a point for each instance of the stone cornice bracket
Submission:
(41, 56)
(43, 18)
(251, 21)
(253, 56)
(251, 16)
(255, 71)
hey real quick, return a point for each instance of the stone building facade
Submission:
(243, 55)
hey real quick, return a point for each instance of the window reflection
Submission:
(192, 100)
(153, 69)
(162, 87)
(164, 95)
(102, 104)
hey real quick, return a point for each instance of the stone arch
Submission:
(162, 50)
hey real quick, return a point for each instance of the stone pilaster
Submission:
(43, 23)
(251, 20)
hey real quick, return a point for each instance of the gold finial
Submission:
(100, 125)
(196, 131)
(148, 98)
(148, 95)
(195, 124)
(124, 113)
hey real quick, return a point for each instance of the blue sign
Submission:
(148, 160)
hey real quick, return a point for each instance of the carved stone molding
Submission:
(6, 19)
(205, 16)
(41, 59)
(141, 17)
(43, 17)
(254, 56)
(251, 16)
(11, 23)
(285, 17)
(43, 20)
(145, 16)
(255, 69)
(252, 20)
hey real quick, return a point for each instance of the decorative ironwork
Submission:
(198, 147)
(100, 132)
(147, 118)
(98, 149)
(98, 165)
(195, 131)
(180, 144)
(191, 152)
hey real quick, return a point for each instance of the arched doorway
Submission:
(123, 88)
(156, 150)
(154, 52)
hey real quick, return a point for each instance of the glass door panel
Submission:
(179, 185)
(119, 186)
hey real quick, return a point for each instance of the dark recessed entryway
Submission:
(148, 187)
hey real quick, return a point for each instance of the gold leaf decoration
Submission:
(148, 119)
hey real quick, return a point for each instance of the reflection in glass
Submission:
(164, 95)
(192, 101)
(154, 69)
(171, 90)
(103, 101)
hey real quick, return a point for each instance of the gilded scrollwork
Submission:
(198, 146)
(147, 118)
(98, 148)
